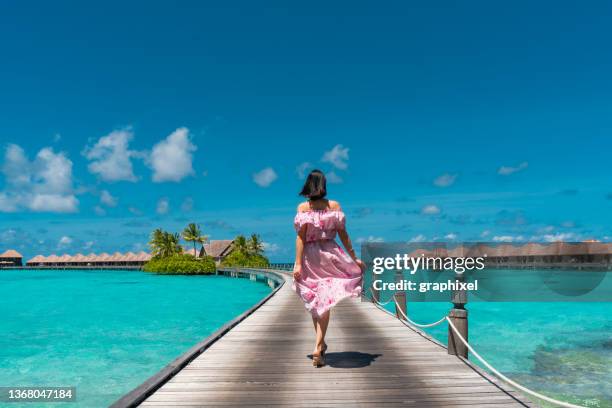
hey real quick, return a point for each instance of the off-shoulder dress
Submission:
(329, 274)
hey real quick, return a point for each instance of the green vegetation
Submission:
(164, 244)
(181, 265)
(192, 233)
(168, 257)
(247, 253)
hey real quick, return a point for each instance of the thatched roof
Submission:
(143, 256)
(11, 253)
(131, 257)
(36, 259)
(78, 258)
(218, 248)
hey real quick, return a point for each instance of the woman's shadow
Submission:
(349, 359)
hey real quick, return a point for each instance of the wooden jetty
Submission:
(374, 360)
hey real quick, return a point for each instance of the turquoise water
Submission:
(563, 350)
(107, 331)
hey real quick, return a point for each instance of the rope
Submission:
(378, 301)
(393, 298)
(475, 354)
(503, 377)
(415, 323)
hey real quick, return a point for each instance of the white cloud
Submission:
(508, 238)
(430, 210)
(111, 158)
(334, 178)
(445, 180)
(451, 236)
(8, 203)
(301, 169)
(265, 177)
(187, 204)
(99, 210)
(64, 242)
(270, 247)
(53, 203)
(560, 237)
(163, 206)
(16, 168)
(485, 233)
(508, 170)
(370, 238)
(337, 156)
(41, 185)
(418, 238)
(107, 199)
(171, 159)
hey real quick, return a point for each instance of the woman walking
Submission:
(324, 274)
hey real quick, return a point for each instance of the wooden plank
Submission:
(373, 360)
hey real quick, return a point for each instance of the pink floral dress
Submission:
(328, 273)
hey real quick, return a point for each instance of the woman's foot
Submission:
(318, 356)
(318, 360)
(321, 351)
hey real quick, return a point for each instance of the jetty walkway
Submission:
(374, 360)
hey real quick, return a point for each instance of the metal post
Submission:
(375, 292)
(458, 315)
(400, 298)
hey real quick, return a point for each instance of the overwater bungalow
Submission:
(217, 249)
(92, 260)
(10, 258)
(554, 254)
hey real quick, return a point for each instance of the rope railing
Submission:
(394, 299)
(415, 323)
(475, 354)
(503, 377)
(378, 301)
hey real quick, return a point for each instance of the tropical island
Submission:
(171, 258)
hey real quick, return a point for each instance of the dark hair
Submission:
(315, 186)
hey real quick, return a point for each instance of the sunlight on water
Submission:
(107, 331)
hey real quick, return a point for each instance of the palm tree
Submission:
(164, 244)
(192, 233)
(171, 244)
(202, 240)
(156, 242)
(241, 245)
(255, 244)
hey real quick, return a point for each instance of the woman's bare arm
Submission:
(348, 245)
(299, 252)
(345, 239)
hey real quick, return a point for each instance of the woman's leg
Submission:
(322, 323)
(315, 322)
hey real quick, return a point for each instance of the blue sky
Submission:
(450, 121)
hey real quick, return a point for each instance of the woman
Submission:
(323, 273)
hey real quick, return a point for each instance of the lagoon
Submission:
(104, 331)
(560, 349)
